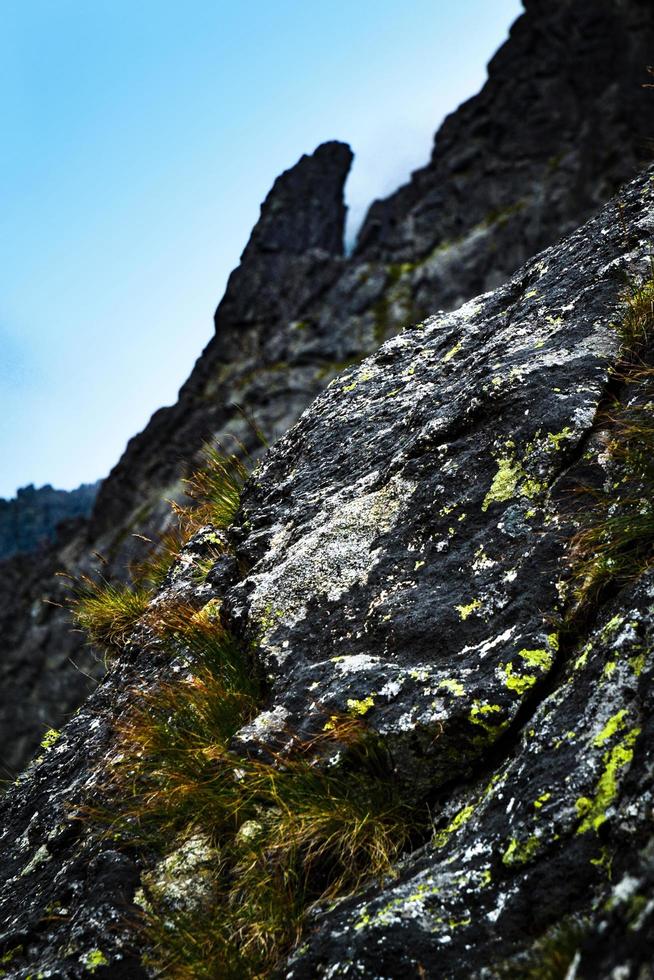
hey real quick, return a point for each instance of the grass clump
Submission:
(635, 327)
(552, 955)
(615, 545)
(151, 571)
(108, 612)
(290, 833)
(215, 491)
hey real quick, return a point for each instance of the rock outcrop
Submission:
(403, 558)
(30, 519)
(559, 125)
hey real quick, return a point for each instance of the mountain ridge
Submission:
(30, 519)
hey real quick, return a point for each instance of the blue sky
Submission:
(139, 141)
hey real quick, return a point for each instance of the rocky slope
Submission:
(30, 519)
(559, 125)
(403, 558)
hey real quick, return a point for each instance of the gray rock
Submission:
(365, 589)
(552, 828)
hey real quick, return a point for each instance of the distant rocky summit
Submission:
(561, 123)
(30, 519)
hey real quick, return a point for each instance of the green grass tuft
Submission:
(551, 955)
(215, 491)
(108, 613)
(615, 545)
(289, 833)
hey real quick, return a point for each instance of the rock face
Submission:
(292, 257)
(541, 145)
(30, 519)
(402, 556)
(559, 125)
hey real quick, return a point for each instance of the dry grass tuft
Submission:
(107, 613)
(290, 834)
(635, 328)
(150, 572)
(616, 543)
(215, 490)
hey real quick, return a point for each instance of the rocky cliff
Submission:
(395, 719)
(30, 519)
(560, 123)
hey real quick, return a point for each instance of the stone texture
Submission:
(559, 125)
(366, 589)
(521, 853)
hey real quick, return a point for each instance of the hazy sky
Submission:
(139, 139)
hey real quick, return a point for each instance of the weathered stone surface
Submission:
(366, 590)
(46, 669)
(558, 126)
(407, 539)
(428, 486)
(69, 896)
(551, 831)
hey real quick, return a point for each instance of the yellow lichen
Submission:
(360, 707)
(94, 960)
(465, 611)
(593, 812)
(537, 658)
(519, 852)
(504, 482)
(479, 716)
(452, 685)
(616, 723)
(556, 438)
(511, 480)
(452, 353)
(520, 683)
(441, 837)
(51, 736)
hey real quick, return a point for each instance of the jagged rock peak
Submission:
(305, 208)
(294, 252)
(562, 121)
